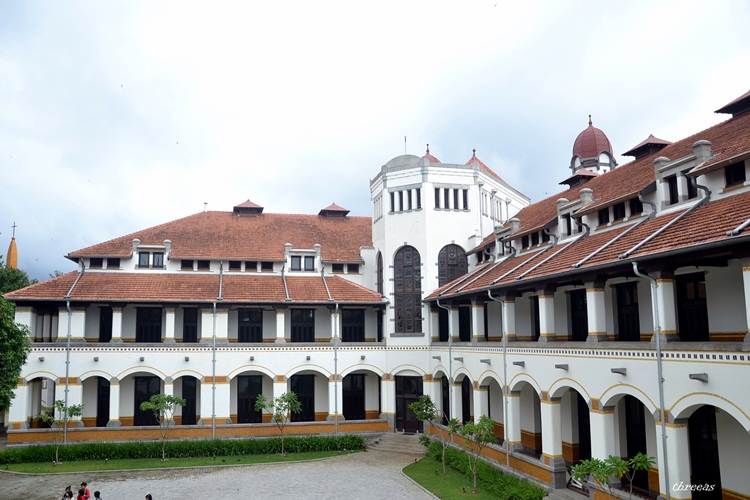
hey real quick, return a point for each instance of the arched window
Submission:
(407, 290)
(452, 263)
(379, 276)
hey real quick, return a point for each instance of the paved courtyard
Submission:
(373, 474)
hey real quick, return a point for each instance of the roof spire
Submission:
(590, 120)
(428, 149)
(14, 228)
(474, 153)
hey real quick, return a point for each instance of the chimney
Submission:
(561, 203)
(701, 151)
(586, 195)
(515, 224)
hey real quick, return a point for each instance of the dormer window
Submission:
(636, 207)
(672, 191)
(618, 211)
(96, 262)
(604, 216)
(204, 265)
(158, 260)
(186, 265)
(113, 263)
(692, 189)
(235, 265)
(525, 241)
(298, 261)
(735, 174)
(353, 268)
(567, 226)
(534, 239)
(337, 268)
(144, 259)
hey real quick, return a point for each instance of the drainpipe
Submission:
(213, 377)
(336, 371)
(662, 410)
(67, 351)
(505, 378)
(450, 359)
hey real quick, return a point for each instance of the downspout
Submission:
(283, 279)
(505, 378)
(619, 236)
(336, 371)
(669, 224)
(213, 353)
(450, 359)
(662, 410)
(67, 351)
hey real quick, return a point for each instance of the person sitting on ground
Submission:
(86, 491)
(65, 493)
(148, 497)
(81, 494)
(96, 496)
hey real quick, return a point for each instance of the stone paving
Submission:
(368, 475)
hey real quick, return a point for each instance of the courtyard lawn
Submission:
(156, 463)
(451, 485)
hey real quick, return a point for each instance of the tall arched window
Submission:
(379, 276)
(407, 290)
(452, 263)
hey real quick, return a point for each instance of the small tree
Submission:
(58, 421)
(163, 406)
(476, 436)
(602, 471)
(426, 411)
(14, 349)
(280, 409)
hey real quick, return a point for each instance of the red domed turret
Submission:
(591, 143)
(429, 157)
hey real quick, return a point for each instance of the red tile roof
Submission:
(487, 170)
(203, 288)
(223, 235)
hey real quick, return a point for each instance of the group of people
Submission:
(85, 494)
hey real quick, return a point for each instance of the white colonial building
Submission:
(609, 319)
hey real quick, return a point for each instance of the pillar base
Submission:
(114, 423)
(559, 473)
(597, 338)
(332, 418)
(169, 341)
(116, 341)
(547, 337)
(279, 341)
(666, 338)
(746, 343)
(390, 418)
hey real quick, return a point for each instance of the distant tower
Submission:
(592, 151)
(12, 257)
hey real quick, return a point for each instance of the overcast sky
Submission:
(117, 116)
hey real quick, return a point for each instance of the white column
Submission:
(746, 284)
(678, 455)
(206, 401)
(513, 425)
(116, 325)
(169, 326)
(547, 316)
(169, 386)
(114, 403)
(335, 399)
(603, 428)
(455, 329)
(477, 321)
(77, 325)
(667, 307)
(509, 318)
(335, 315)
(222, 326)
(481, 403)
(388, 398)
(75, 397)
(597, 313)
(19, 412)
(552, 451)
(280, 325)
(431, 387)
(456, 403)
(222, 404)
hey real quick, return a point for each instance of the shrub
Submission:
(505, 486)
(180, 449)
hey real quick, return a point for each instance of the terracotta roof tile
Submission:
(171, 287)
(223, 235)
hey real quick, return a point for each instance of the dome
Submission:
(591, 143)
(429, 157)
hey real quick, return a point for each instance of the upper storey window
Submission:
(406, 199)
(735, 174)
(672, 192)
(407, 285)
(303, 262)
(153, 260)
(452, 263)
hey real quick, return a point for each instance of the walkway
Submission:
(373, 474)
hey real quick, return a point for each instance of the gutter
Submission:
(283, 279)
(450, 360)
(67, 350)
(505, 379)
(660, 372)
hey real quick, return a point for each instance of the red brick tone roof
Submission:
(202, 288)
(224, 235)
(591, 142)
(487, 170)
(728, 139)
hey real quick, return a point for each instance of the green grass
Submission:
(155, 463)
(451, 485)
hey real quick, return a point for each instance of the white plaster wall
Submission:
(90, 389)
(734, 443)
(562, 307)
(725, 296)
